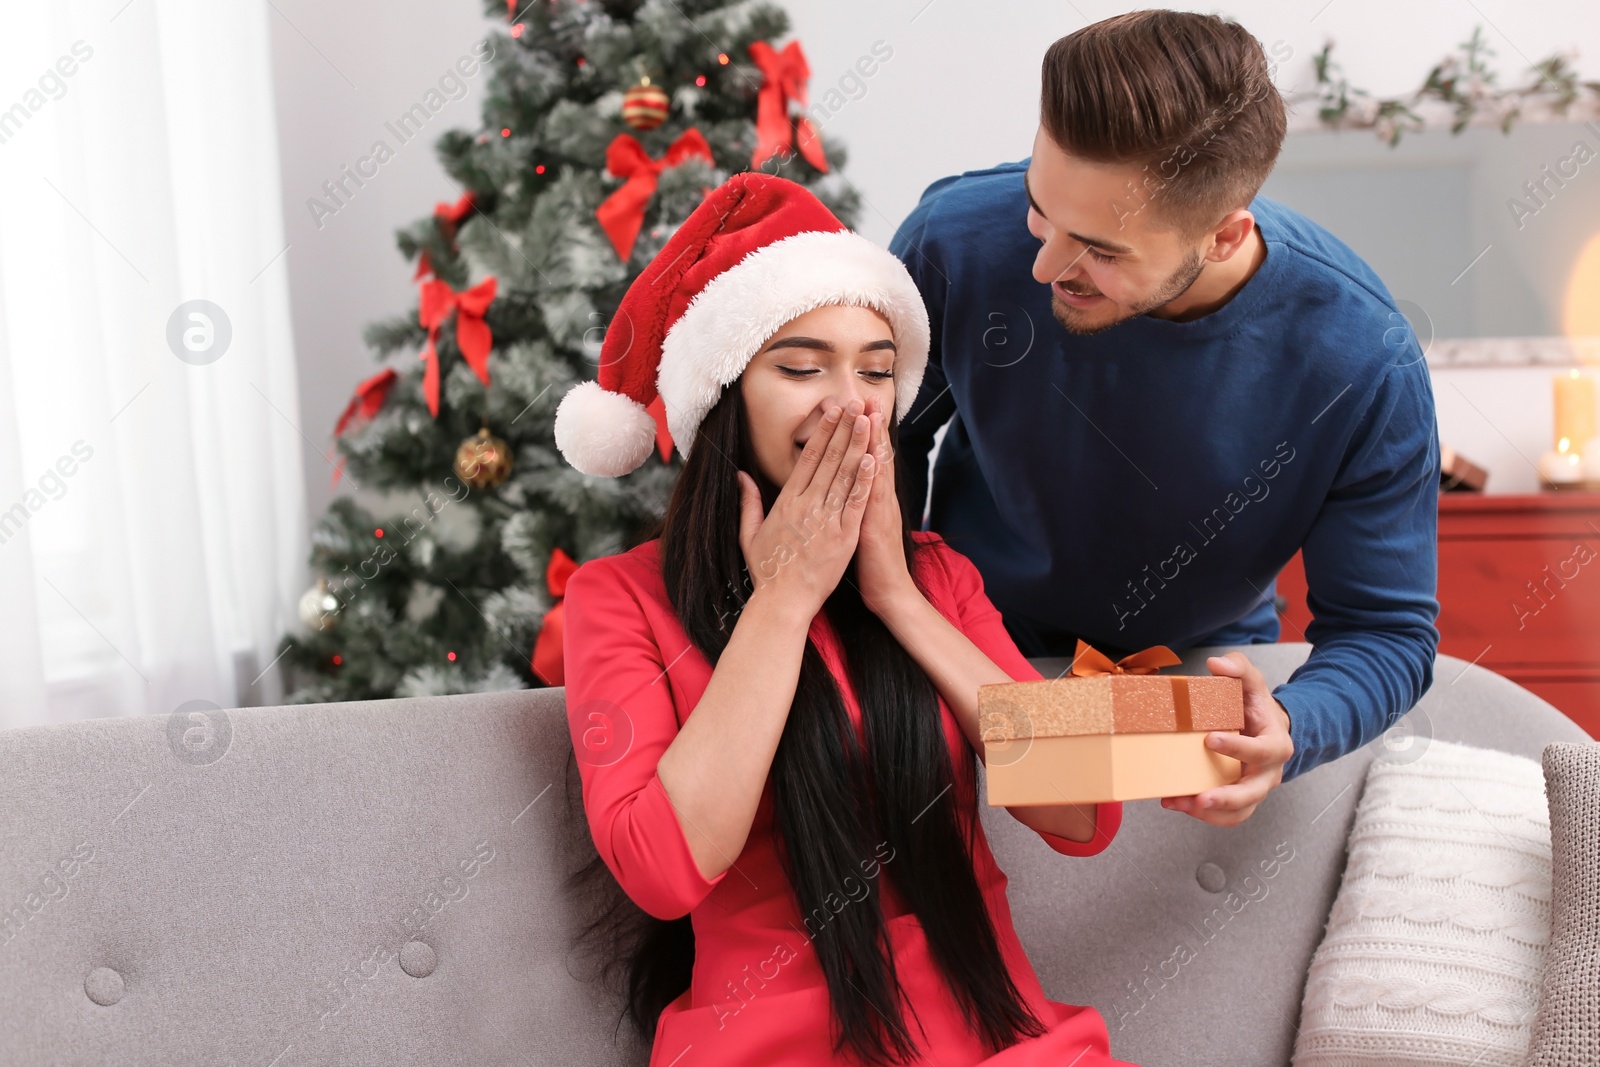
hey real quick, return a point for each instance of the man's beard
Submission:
(1175, 286)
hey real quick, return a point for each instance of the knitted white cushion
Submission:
(1434, 951)
(1566, 1030)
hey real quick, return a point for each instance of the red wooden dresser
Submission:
(1519, 593)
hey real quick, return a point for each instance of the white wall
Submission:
(960, 91)
(962, 88)
(343, 70)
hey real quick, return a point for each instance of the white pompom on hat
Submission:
(758, 252)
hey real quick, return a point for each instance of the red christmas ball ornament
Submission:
(645, 106)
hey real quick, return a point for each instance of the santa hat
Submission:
(758, 251)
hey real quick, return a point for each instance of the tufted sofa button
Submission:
(418, 959)
(104, 986)
(1211, 878)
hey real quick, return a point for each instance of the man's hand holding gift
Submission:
(1263, 747)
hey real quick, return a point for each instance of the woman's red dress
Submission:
(758, 995)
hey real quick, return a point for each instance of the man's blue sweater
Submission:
(1146, 484)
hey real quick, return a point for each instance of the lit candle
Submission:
(1562, 468)
(1574, 409)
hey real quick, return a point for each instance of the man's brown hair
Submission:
(1188, 98)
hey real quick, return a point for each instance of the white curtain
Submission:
(152, 514)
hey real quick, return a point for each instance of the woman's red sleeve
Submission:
(982, 623)
(621, 715)
(1107, 821)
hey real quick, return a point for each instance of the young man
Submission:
(1160, 385)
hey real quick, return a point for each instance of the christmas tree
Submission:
(604, 124)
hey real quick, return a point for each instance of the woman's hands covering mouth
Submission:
(799, 550)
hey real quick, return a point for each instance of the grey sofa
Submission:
(383, 883)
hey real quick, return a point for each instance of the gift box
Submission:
(1108, 731)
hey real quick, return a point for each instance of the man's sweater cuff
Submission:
(1299, 704)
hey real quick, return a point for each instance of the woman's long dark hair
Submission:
(834, 804)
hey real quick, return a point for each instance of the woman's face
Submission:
(830, 355)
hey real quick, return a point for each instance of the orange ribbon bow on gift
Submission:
(1092, 663)
(472, 333)
(622, 213)
(786, 75)
(547, 654)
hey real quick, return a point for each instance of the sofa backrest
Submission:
(384, 882)
(375, 882)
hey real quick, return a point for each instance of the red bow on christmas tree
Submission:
(547, 650)
(367, 402)
(622, 213)
(786, 75)
(448, 217)
(472, 333)
(658, 411)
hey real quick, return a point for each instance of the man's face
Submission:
(1101, 252)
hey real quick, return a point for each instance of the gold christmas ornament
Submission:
(644, 107)
(319, 608)
(483, 461)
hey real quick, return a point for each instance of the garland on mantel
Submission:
(1462, 80)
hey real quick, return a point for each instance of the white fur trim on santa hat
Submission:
(601, 432)
(729, 320)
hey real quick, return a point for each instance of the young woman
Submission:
(773, 699)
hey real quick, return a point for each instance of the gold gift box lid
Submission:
(1115, 704)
